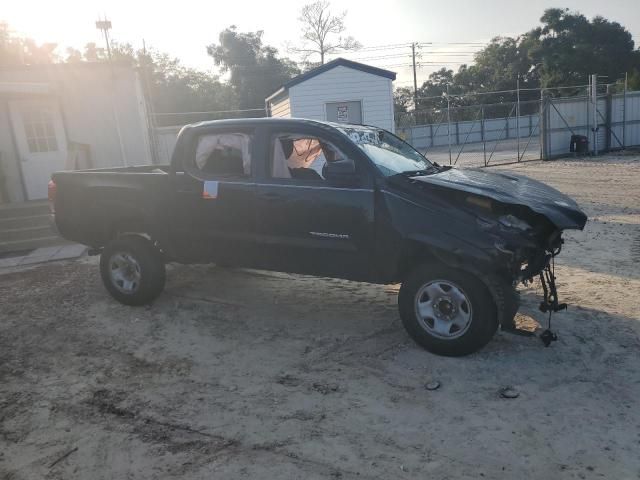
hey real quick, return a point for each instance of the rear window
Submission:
(226, 154)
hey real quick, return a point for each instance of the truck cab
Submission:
(337, 200)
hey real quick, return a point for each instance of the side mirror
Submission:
(341, 173)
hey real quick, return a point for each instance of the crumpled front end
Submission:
(505, 229)
(526, 243)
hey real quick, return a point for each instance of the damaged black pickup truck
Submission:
(336, 200)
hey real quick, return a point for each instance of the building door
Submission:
(345, 112)
(41, 141)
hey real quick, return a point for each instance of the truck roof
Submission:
(249, 122)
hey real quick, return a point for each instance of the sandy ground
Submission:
(246, 374)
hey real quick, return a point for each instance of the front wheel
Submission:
(132, 270)
(447, 311)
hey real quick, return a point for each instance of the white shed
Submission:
(338, 91)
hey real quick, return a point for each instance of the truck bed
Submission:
(132, 169)
(91, 204)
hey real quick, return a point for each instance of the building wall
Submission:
(91, 96)
(627, 122)
(341, 84)
(281, 107)
(166, 138)
(470, 131)
(11, 185)
(575, 116)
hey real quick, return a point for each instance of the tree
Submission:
(16, 50)
(319, 29)
(432, 92)
(563, 51)
(568, 47)
(73, 55)
(170, 86)
(634, 80)
(498, 66)
(255, 70)
(402, 100)
(92, 53)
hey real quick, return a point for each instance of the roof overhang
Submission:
(338, 62)
(280, 92)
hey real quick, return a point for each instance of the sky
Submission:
(449, 31)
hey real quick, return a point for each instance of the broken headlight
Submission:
(505, 223)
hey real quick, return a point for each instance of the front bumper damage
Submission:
(523, 254)
(542, 266)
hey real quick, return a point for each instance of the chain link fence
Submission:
(468, 131)
(476, 135)
(480, 134)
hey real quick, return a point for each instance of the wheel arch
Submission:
(417, 251)
(136, 225)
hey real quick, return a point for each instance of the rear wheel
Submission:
(132, 270)
(447, 311)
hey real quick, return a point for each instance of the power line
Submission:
(495, 92)
(418, 44)
(402, 55)
(478, 44)
(449, 53)
(384, 47)
(399, 55)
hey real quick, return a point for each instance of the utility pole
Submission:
(518, 114)
(542, 126)
(415, 78)
(594, 107)
(105, 26)
(624, 109)
(449, 122)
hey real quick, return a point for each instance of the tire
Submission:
(447, 311)
(132, 270)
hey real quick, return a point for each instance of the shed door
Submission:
(41, 141)
(345, 112)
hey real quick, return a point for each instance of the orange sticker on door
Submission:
(210, 190)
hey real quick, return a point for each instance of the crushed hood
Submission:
(560, 209)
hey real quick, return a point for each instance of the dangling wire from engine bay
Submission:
(550, 300)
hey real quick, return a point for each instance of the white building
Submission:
(65, 117)
(338, 91)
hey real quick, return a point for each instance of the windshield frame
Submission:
(346, 129)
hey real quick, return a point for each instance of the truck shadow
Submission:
(305, 307)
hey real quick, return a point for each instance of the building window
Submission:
(40, 131)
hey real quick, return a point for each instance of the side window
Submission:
(301, 157)
(226, 154)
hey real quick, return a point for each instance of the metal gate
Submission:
(477, 135)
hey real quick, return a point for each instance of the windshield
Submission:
(390, 154)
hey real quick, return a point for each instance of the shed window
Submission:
(224, 154)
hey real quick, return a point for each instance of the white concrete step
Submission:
(25, 233)
(25, 221)
(22, 245)
(25, 209)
